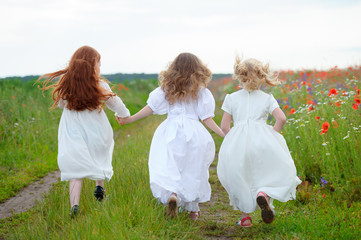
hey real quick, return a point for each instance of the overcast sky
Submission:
(132, 36)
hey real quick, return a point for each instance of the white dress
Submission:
(182, 150)
(85, 141)
(253, 156)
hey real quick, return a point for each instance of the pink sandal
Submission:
(266, 211)
(241, 222)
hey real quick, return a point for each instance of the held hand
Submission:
(123, 121)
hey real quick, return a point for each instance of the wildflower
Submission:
(338, 104)
(333, 91)
(324, 143)
(323, 182)
(293, 111)
(24, 105)
(317, 117)
(357, 100)
(16, 124)
(310, 102)
(310, 108)
(298, 137)
(344, 93)
(334, 124)
(355, 106)
(325, 127)
(328, 154)
(12, 97)
(286, 107)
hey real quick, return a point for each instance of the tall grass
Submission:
(129, 210)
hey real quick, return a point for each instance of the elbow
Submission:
(283, 120)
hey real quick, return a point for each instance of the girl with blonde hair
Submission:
(85, 137)
(255, 165)
(182, 149)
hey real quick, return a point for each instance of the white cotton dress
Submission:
(253, 156)
(182, 150)
(85, 141)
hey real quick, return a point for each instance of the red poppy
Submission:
(357, 100)
(317, 117)
(310, 102)
(355, 106)
(286, 107)
(333, 91)
(338, 104)
(293, 111)
(310, 108)
(325, 127)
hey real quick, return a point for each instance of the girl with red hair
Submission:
(85, 136)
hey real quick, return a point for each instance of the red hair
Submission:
(79, 82)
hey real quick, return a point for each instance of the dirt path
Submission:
(28, 196)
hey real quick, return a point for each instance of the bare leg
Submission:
(100, 183)
(74, 191)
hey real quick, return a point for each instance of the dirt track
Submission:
(28, 196)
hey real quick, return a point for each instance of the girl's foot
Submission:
(195, 215)
(245, 222)
(266, 211)
(74, 211)
(172, 206)
(99, 193)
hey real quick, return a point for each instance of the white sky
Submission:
(135, 36)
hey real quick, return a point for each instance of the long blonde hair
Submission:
(251, 74)
(183, 78)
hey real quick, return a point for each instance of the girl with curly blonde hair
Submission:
(85, 137)
(254, 164)
(182, 149)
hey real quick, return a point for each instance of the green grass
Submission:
(329, 211)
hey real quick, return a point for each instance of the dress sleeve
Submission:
(273, 104)
(157, 102)
(206, 104)
(115, 103)
(226, 106)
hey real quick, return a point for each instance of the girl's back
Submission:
(253, 106)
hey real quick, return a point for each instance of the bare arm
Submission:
(280, 119)
(226, 122)
(145, 112)
(209, 122)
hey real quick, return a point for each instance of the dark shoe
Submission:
(172, 206)
(74, 211)
(99, 193)
(266, 211)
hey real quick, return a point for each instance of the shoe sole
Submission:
(172, 206)
(266, 211)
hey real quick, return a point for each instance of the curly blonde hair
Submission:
(251, 74)
(183, 78)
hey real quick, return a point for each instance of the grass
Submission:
(323, 210)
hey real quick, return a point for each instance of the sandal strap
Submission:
(263, 195)
(245, 219)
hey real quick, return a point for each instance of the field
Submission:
(323, 133)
